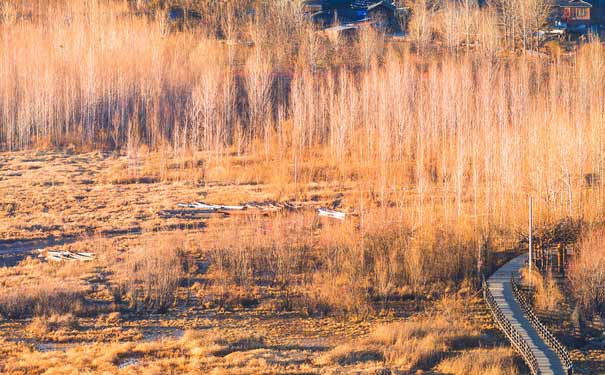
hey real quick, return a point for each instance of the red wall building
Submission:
(574, 12)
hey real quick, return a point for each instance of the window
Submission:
(581, 13)
(566, 13)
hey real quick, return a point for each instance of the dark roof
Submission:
(572, 4)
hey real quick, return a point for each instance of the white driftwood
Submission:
(263, 206)
(233, 208)
(291, 206)
(331, 213)
(215, 207)
(199, 206)
(66, 255)
(83, 256)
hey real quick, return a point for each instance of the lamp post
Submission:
(531, 224)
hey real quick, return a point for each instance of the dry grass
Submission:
(153, 273)
(146, 276)
(335, 268)
(280, 260)
(46, 299)
(498, 361)
(283, 261)
(547, 294)
(42, 326)
(193, 353)
(283, 344)
(406, 346)
(587, 273)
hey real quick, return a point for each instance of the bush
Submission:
(42, 325)
(340, 295)
(153, 274)
(587, 273)
(45, 299)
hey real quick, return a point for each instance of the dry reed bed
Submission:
(143, 277)
(425, 343)
(283, 262)
(587, 273)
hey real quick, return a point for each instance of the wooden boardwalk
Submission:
(500, 286)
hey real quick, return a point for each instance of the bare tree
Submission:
(420, 26)
(522, 20)
(259, 80)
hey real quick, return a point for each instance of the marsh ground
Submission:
(109, 206)
(106, 315)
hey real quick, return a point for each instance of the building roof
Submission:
(572, 4)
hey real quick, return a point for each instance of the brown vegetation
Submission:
(333, 268)
(547, 295)
(41, 326)
(432, 144)
(21, 302)
(456, 129)
(587, 273)
(249, 343)
(39, 289)
(481, 361)
(423, 344)
(146, 277)
(152, 274)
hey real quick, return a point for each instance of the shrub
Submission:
(153, 274)
(341, 295)
(587, 273)
(547, 295)
(42, 325)
(44, 299)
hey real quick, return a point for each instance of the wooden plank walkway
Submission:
(500, 286)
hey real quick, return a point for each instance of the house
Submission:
(573, 15)
(349, 14)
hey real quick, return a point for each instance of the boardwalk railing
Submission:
(511, 333)
(544, 333)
